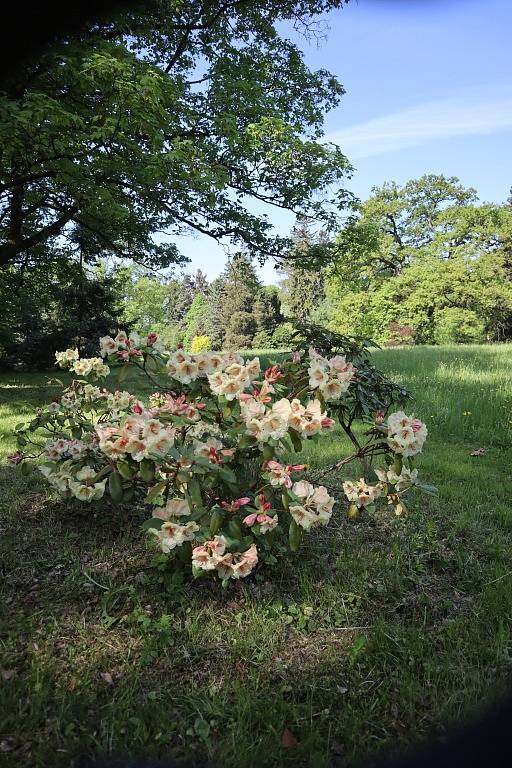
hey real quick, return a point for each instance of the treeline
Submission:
(422, 263)
(234, 311)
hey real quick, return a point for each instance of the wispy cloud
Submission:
(431, 121)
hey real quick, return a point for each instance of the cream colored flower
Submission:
(232, 388)
(208, 554)
(253, 367)
(186, 371)
(361, 493)
(173, 508)
(172, 535)
(332, 390)
(107, 346)
(318, 377)
(303, 516)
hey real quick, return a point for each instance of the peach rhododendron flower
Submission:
(234, 506)
(361, 493)
(266, 522)
(173, 508)
(406, 435)
(237, 565)
(173, 535)
(207, 555)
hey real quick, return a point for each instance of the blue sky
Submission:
(428, 90)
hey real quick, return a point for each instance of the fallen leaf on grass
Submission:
(107, 677)
(478, 452)
(288, 740)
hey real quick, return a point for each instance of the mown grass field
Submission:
(374, 636)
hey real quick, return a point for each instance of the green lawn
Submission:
(370, 638)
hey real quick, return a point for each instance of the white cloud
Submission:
(435, 120)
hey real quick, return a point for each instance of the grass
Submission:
(375, 636)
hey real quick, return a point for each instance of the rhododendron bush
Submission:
(209, 451)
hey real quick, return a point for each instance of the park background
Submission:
(381, 634)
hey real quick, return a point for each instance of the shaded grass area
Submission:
(374, 635)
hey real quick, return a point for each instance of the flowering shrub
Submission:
(207, 451)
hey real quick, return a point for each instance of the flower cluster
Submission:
(138, 435)
(265, 423)
(234, 378)
(56, 450)
(406, 434)
(313, 506)
(124, 346)
(82, 484)
(362, 494)
(401, 481)
(186, 368)
(281, 474)
(85, 366)
(213, 555)
(405, 437)
(331, 376)
(209, 451)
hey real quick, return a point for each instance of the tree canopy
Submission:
(428, 257)
(170, 118)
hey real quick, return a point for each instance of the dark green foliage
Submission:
(50, 308)
(168, 118)
(303, 286)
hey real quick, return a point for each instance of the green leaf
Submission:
(357, 649)
(296, 441)
(227, 474)
(294, 536)
(246, 441)
(154, 522)
(235, 528)
(115, 487)
(156, 491)
(194, 491)
(123, 372)
(202, 728)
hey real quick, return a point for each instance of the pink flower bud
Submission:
(152, 337)
(273, 374)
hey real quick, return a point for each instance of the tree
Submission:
(169, 118)
(303, 286)
(241, 286)
(267, 316)
(52, 307)
(214, 323)
(425, 257)
(200, 283)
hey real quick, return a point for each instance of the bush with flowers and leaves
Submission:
(208, 452)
